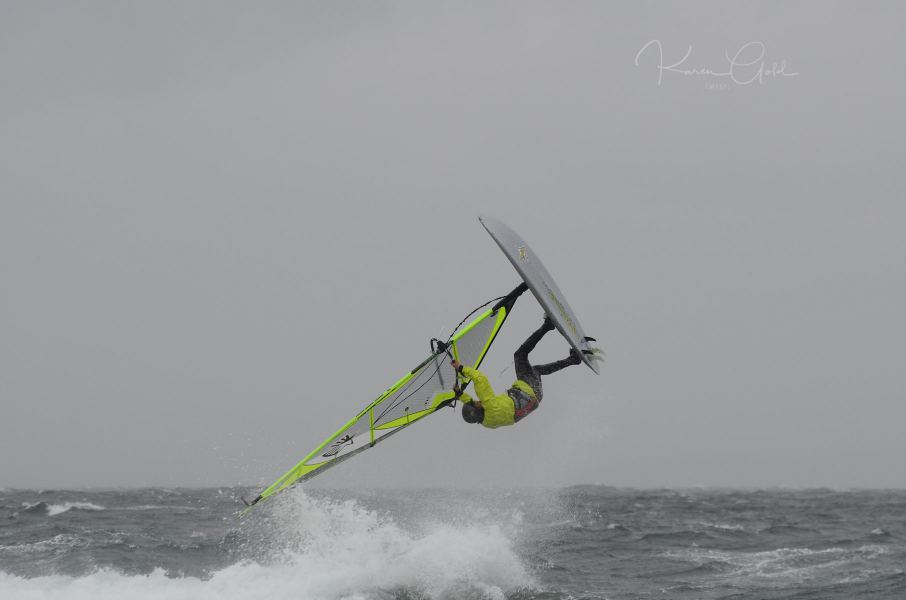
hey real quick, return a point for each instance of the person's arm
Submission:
(482, 387)
(462, 396)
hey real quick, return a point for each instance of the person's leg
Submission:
(527, 373)
(524, 369)
(572, 359)
(529, 344)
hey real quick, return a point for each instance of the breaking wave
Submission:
(303, 548)
(53, 510)
(783, 565)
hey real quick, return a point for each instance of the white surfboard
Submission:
(543, 286)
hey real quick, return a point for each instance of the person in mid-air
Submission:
(498, 410)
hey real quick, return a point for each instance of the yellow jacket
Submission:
(499, 409)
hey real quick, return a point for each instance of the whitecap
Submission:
(156, 507)
(722, 526)
(782, 564)
(58, 509)
(61, 540)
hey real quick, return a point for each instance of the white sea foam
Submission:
(156, 507)
(59, 509)
(723, 526)
(784, 564)
(328, 551)
(61, 540)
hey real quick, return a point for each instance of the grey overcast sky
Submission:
(225, 227)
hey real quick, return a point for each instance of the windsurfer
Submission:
(498, 410)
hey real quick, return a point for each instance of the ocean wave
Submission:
(720, 526)
(795, 530)
(732, 556)
(59, 509)
(238, 582)
(59, 541)
(710, 568)
(682, 537)
(156, 507)
(52, 510)
(319, 550)
(33, 508)
(342, 546)
(784, 564)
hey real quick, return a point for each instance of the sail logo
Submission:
(335, 448)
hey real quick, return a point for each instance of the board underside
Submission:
(542, 285)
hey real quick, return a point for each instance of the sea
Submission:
(582, 542)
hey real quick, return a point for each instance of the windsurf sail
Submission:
(422, 391)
